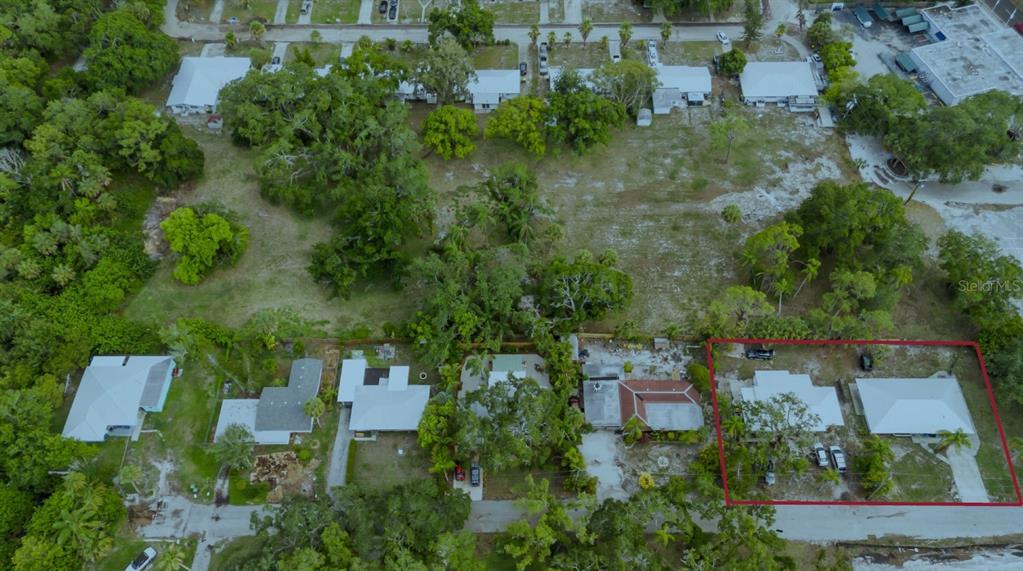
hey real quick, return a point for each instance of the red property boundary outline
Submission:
(987, 383)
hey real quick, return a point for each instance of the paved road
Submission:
(337, 469)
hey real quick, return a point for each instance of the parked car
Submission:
(838, 458)
(866, 362)
(615, 58)
(523, 69)
(232, 20)
(543, 68)
(459, 474)
(1018, 27)
(392, 14)
(143, 560)
(276, 60)
(820, 455)
(474, 474)
(383, 7)
(769, 477)
(816, 58)
(761, 354)
(723, 38)
(306, 6)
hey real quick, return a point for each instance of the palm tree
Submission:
(664, 535)
(131, 474)
(665, 32)
(880, 448)
(585, 28)
(172, 559)
(475, 364)
(314, 408)
(234, 451)
(949, 439)
(625, 33)
(734, 427)
(534, 34)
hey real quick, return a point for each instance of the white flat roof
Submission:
(397, 378)
(236, 411)
(377, 408)
(821, 401)
(353, 371)
(684, 78)
(200, 79)
(914, 406)
(778, 79)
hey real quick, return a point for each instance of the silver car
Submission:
(820, 455)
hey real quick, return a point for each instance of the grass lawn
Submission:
(323, 53)
(511, 484)
(496, 57)
(294, 10)
(241, 492)
(921, 477)
(105, 465)
(514, 12)
(605, 11)
(688, 53)
(590, 56)
(183, 429)
(272, 272)
(127, 548)
(195, 10)
(771, 48)
(379, 466)
(235, 553)
(335, 11)
(258, 10)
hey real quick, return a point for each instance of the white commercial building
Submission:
(492, 86)
(971, 54)
(820, 401)
(680, 86)
(784, 83)
(914, 406)
(196, 87)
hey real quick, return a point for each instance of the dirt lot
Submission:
(919, 472)
(393, 459)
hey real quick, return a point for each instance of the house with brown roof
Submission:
(660, 405)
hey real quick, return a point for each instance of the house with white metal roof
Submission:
(784, 83)
(196, 87)
(492, 86)
(353, 373)
(279, 411)
(914, 406)
(680, 86)
(391, 404)
(820, 401)
(114, 393)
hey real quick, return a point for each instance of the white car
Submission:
(723, 38)
(820, 455)
(838, 458)
(142, 561)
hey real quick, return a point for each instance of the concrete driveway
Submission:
(338, 468)
(600, 450)
(969, 482)
(307, 18)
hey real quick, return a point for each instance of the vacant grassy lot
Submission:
(496, 57)
(393, 459)
(578, 56)
(258, 10)
(195, 10)
(515, 12)
(335, 11)
(323, 53)
(651, 194)
(603, 11)
(272, 272)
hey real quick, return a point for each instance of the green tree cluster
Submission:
(629, 82)
(467, 22)
(449, 131)
(203, 239)
(352, 153)
(732, 62)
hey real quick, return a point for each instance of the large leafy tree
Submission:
(876, 106)
(446, 71)
(124, 53)
(629, 82)
(468, 22)
(732, 62)
(234, 449)
(582, 118)
(450, 130)
(522, 120)
(584, 289)
(202, 241)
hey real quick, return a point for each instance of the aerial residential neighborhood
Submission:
(323, 285)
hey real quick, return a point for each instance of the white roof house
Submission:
(113, 391)
(391, 405)
(820, 401)
(353, 372)
(492, 86)
(790, 82)
(914, 406)
(680, 85)
(197, 85)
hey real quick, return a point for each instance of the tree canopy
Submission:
(202, 240)
(450, 130)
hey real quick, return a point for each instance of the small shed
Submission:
(918, 27)
(883, 13)
(644, 118)
(905, 62)
(910, 20)
(903, 12)
(863, 16)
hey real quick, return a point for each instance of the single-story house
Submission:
(492, 86)
(660, 405)
(680, 85)
(408, 91)
(279, 411)
(353, 374)
(196, 87)
(113, 393)
(820, 401)
(914, 406)
(389, 404)
(783, 83)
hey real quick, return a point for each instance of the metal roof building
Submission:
(680, 85)
(492, 86)
(196, 87)
(914, 406)
(279, 411)
(391, 405)
(112, 392)
(782, 82)
(820, 401)
(660, 405)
